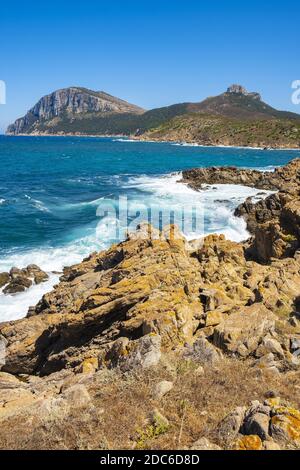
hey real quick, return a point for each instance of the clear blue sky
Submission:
(150, 53)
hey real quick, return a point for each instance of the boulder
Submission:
(162, 388)
(242, 331)
(18, 280)
(203, 352)
(230, 426)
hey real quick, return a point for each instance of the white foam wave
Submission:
(13, 307)
(39, 205)
(215, 202)
(2, 201)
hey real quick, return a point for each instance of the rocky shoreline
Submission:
(219, 143)
(144, 138)
(157, 321)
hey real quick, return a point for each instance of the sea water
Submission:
(51, 187)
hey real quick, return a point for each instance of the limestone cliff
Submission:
(67, 103)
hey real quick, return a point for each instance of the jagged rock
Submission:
(265, 210)
(142, 353)
(275, 219)
(243, 330)
(136, 288)
(260, 425)
(290, 217)
(203, 351)
(240, 90)
(230, 426)
(270, 242)
(162, 286)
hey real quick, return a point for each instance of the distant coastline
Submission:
(158, 141)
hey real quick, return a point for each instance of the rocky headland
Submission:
(162, 343)
(234, 118)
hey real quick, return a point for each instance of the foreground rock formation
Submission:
(150, 321)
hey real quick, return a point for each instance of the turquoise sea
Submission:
(51, 187)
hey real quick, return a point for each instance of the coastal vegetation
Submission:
(235, 117)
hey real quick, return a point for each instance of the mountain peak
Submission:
(68, 103)
(240, 90)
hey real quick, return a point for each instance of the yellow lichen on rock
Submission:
(89, 365)
(252, 442)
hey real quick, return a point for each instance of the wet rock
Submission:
(18, 284)
(37, 273)
(285, 425)
(203, 352)
(4, 279)
(18, 280)
(276, 180)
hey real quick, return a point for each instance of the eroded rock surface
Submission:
(156, 294)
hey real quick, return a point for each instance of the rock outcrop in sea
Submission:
(18, 280)
(196, 342)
